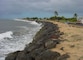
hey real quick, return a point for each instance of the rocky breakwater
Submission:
(40, 48)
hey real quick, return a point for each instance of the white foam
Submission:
(17, 42)
(35, 23)
(22, 20)
(31, 22)
(6, 35)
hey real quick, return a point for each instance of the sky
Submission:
(40, 8)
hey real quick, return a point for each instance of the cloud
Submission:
(21, 6)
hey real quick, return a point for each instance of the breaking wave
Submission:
(7, 34)
(14, 40)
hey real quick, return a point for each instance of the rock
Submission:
(12, 56)
(63, 57)
(55, 36)
(36, 52)
(62, 33)
(21, 56)
(39, 48)
(81, 58)
(57, 41)
(48, 55)
(50, 44)
(62, 48)
(32, 47)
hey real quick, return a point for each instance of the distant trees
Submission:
(53, 18)
(63, 19)
(56, 17)
(34, 18)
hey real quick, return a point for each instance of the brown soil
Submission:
(72, 41)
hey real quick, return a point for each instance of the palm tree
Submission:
(56, 13)
(75, 15)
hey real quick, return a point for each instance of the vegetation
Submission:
(75, 15)
(64, 19)
(56, 13)
(56, 17)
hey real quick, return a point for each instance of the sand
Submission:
(72, 41)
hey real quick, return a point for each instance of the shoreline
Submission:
(54, 41)
(45, 39)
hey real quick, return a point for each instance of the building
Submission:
(80, 20)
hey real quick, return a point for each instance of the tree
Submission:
(56, 13)
(75, 15)
(35, 18)
(52, 18)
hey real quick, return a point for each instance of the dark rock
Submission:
(46, 32)
(61, 33)
(50, 44)
(62, 48)
(63, 57)
(57, 41)
(38, 49)
(54, 36)
(32, 47)
(81, 58)
(23, 56)
(12, 56)
(48, 55)
(36, 52)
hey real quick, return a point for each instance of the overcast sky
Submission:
(39, 8)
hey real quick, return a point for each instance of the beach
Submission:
(54, 41)
(73, 41)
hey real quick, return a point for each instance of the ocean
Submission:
(15, 34)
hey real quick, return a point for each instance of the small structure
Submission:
(80, 20)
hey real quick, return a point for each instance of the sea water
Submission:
(15, 34)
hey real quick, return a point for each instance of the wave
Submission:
(31, 22)
(22, 20)
(7, 34)
(35, 23)
(16, 37)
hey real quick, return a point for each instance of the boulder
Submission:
(36, 52)
(21, 56)
(32, 47)
(63, 57)
(12, 56)
(48, 55)
(51, 43)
